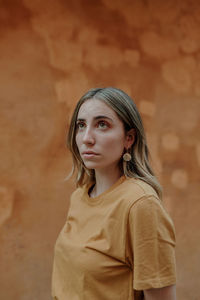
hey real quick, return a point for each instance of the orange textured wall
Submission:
(51, 52)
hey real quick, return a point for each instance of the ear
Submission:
(130, 138)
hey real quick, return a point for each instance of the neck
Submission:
(104, 180)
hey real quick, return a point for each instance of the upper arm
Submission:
(153, 241)
(165, 293)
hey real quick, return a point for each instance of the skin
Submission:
(165, 293)
(100, 130)
(101, 140)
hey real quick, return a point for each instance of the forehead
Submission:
(95, 107)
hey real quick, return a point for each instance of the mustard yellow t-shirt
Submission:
(121, 241)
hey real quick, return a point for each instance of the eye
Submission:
(80, 125)
(102, 124)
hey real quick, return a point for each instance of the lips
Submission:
(89, 152)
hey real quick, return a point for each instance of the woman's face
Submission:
(100, 135)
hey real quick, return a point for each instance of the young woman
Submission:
(118, 241)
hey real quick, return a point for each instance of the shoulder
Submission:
(78, 193)
(145, 204)
(149, 216)
(137, 189)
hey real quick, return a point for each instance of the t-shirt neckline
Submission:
(96, 200)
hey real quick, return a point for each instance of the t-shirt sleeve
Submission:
(152, 238)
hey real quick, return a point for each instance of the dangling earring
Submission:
(127, 156)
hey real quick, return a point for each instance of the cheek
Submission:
(77, 140)
(115, 142)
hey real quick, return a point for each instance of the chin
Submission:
(90, 166)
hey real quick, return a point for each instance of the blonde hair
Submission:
(123, 105)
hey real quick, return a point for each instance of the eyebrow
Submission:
(97, 118)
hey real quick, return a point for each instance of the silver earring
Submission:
(127, 156)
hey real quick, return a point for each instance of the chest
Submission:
(93, 238)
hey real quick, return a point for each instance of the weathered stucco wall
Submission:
(51, 52)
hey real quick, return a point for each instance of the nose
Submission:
(88, 137)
